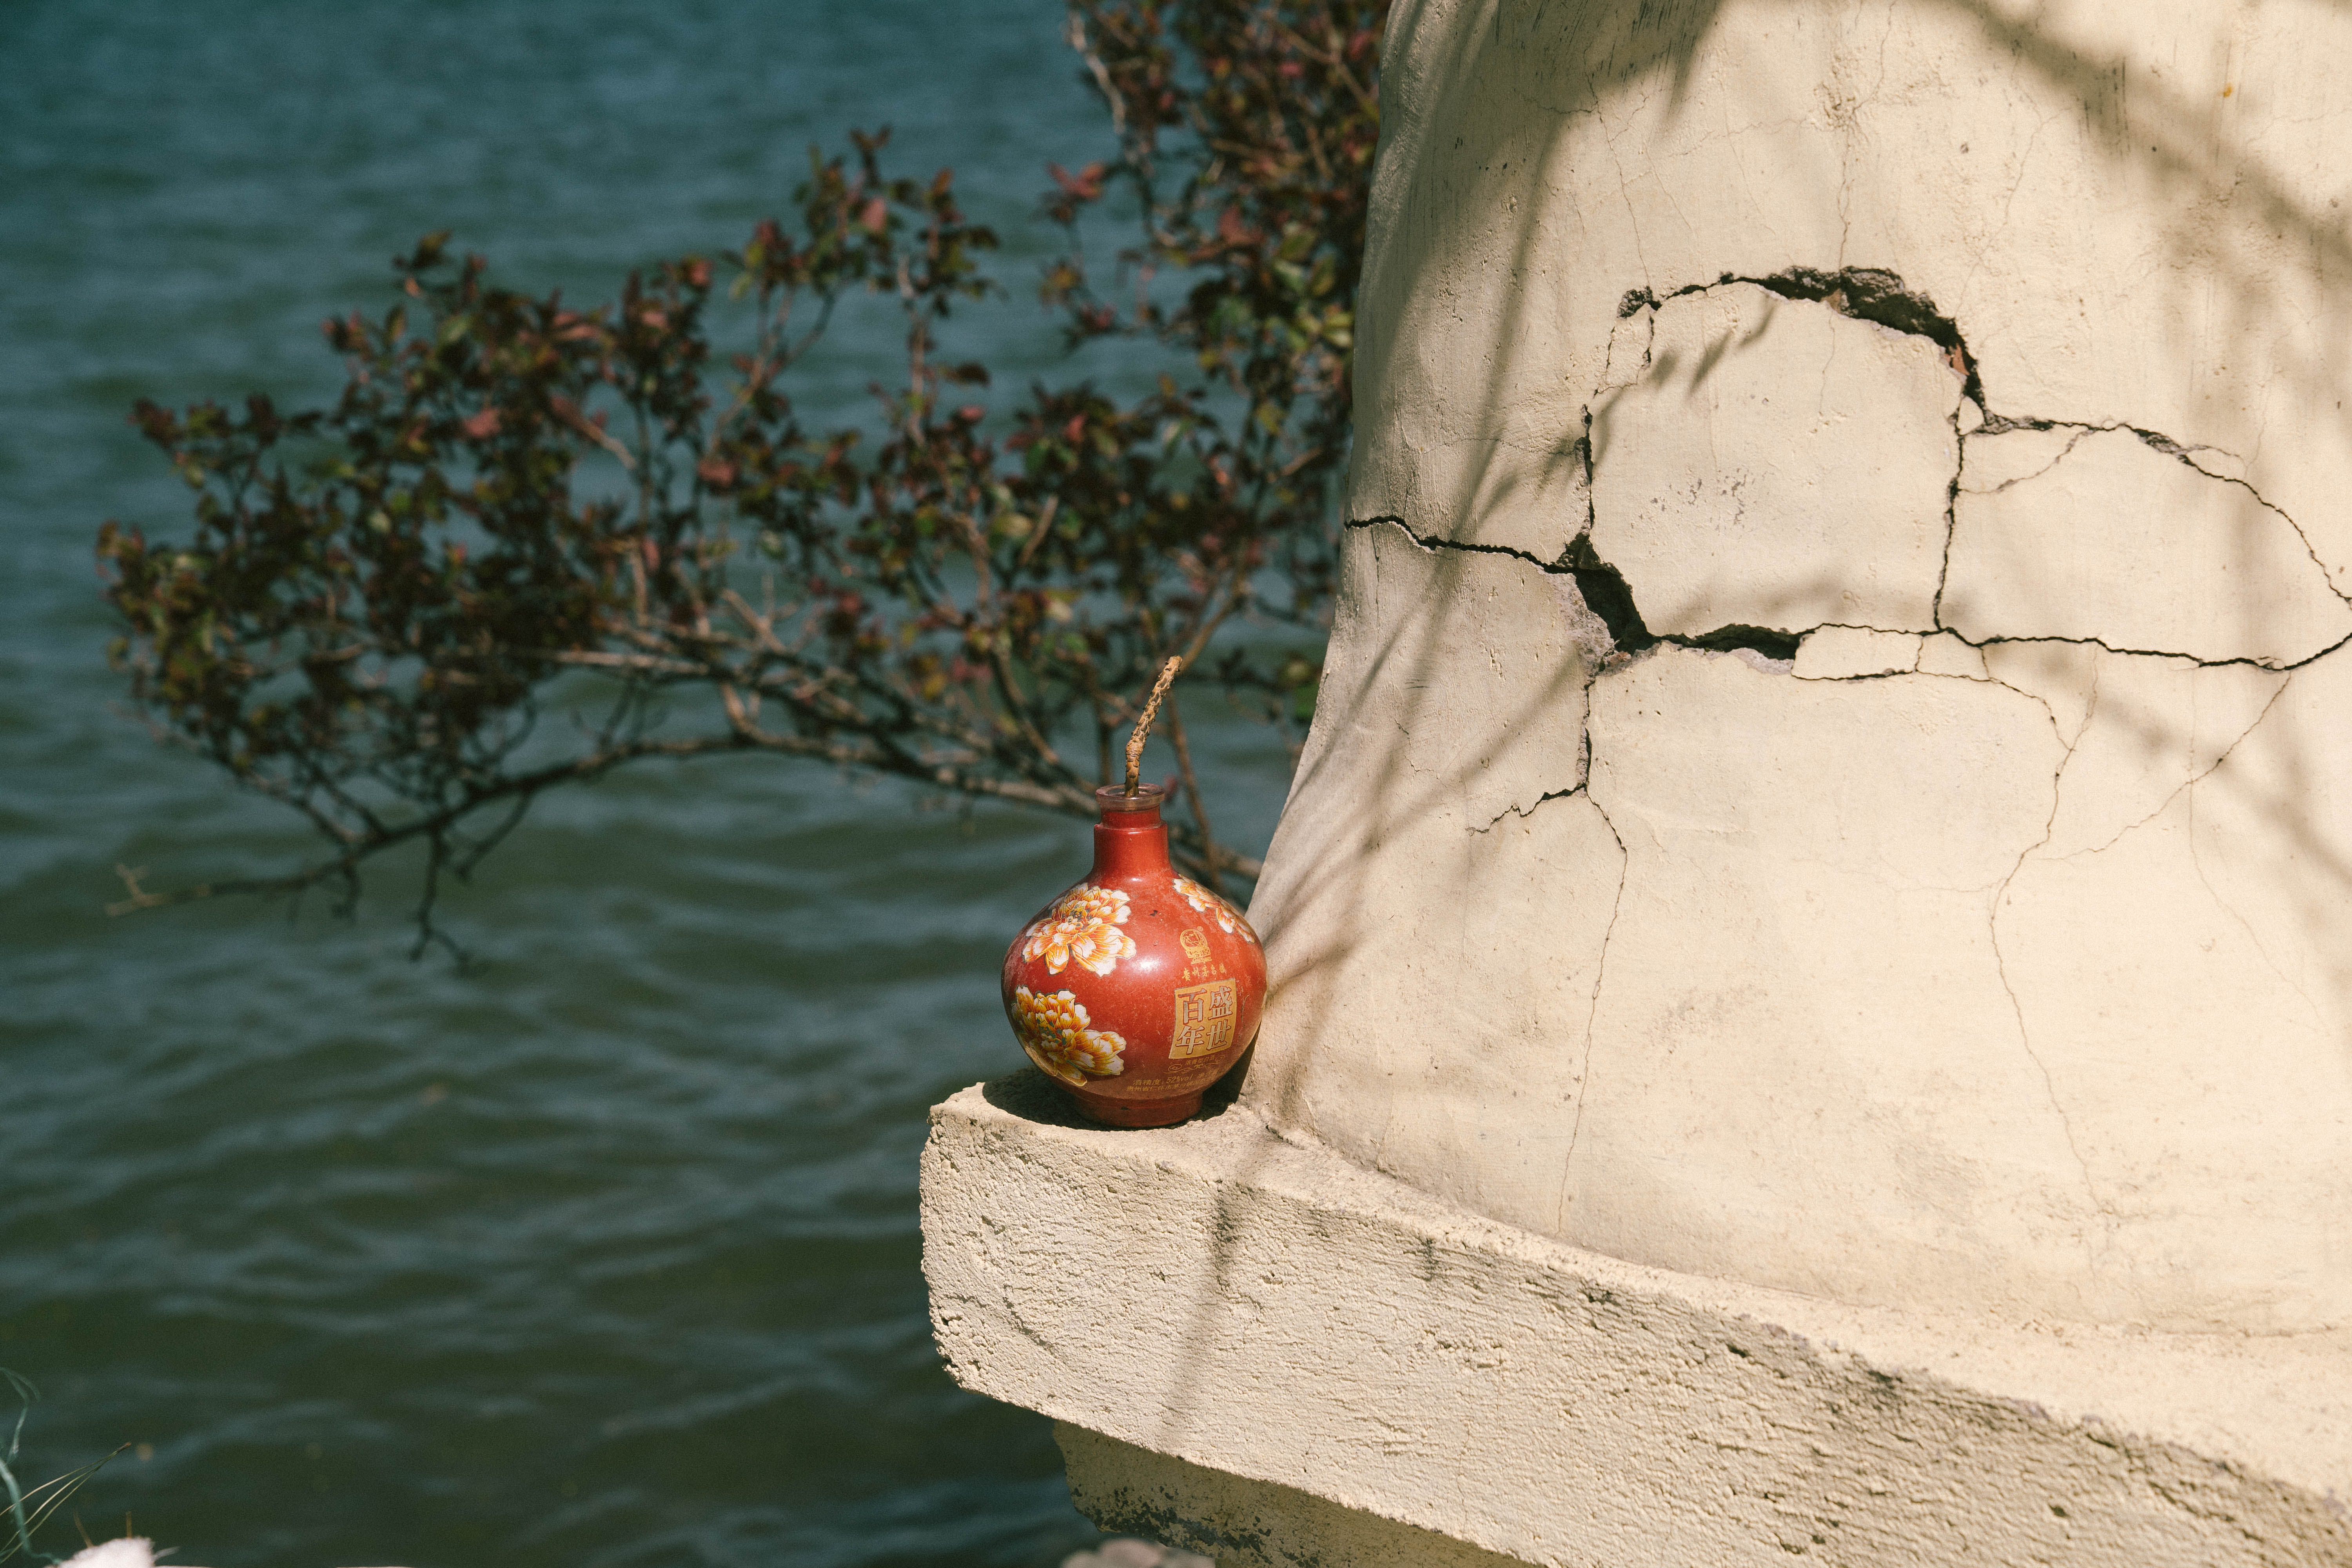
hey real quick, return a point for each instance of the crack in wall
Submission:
(2157, 441)
(1592, 1015)
(1609, 597)
(1877, 296)
(2197, 860)
(2191, 783)
(2000, 969)
(1576, 788)
(2105, 647)
(1605, 589)
(1988, 428)
(1880, 296)
(1952, 507)
(1864, 293)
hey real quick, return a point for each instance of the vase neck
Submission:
(1130, 844)
(1131, 840)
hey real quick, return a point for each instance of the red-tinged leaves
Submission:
(378, 626)
(1086, 186)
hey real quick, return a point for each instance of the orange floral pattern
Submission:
(1052, 1030)
(1082, 928)
(1229, 919)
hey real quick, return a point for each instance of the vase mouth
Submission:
(1113, 801)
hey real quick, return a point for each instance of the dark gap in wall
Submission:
(1864, 293)
(1609, 597)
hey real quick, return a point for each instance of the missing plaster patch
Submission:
(1764, 462)
(1604, 618)
(1850, 653)
(1864, 293)
(1611, 598)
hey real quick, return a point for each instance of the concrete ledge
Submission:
(1326, 1350)
(1239, 1523)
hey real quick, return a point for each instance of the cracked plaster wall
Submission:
(1835, 766)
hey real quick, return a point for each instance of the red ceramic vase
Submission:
(1137, 988)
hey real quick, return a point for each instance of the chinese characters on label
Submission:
(1204, 1019)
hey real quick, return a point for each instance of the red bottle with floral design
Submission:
(1137, 988)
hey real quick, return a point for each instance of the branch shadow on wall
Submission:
(1535, 475)
(1532, 479)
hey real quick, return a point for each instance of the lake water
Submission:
(604, 1252)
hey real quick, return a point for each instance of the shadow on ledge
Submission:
(1031, 1095)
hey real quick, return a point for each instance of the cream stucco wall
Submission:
(1835, 766)
(1811, 942)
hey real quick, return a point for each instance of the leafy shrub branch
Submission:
(529, 543)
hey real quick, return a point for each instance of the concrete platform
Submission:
(1261, 1351)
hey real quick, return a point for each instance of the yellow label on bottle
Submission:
(1206, 1015)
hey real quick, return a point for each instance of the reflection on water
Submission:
(605, 1253)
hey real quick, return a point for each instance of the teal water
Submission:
(604, 1252)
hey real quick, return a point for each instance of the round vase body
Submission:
(1137, 988)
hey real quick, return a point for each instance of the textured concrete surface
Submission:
(1339, 1366)
(1834, 769)
(1810, 945)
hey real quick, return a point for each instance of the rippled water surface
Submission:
(604, 1252)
